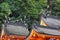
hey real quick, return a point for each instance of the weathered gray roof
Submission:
(52, 22)
(17, 28)
(46, 30)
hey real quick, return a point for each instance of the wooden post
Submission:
(3, 28)
(2, 32)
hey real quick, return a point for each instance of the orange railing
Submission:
(37, 36)
(12, 37)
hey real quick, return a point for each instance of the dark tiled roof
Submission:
(16, 28)
(52, 21)
(54, 17)
(47, 27)
(46, 30)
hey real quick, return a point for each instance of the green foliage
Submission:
(14, 4)
(27, 10)
(56, 7)
(34, 7)
(27, 7)
(5, 9)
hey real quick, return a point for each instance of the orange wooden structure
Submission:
(37, 36)
(12, 37)
(5, 36)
